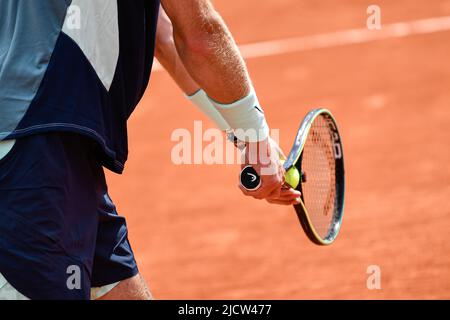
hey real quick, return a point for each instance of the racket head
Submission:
(317, 154)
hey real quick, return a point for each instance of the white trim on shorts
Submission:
(8, 292)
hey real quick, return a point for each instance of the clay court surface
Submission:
(196, 237)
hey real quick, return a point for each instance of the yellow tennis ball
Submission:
(292, 177)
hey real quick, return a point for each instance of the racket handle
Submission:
(249, 178)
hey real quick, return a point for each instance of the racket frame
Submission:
(294, 160)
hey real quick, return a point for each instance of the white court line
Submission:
(346, 37)
(341, 38)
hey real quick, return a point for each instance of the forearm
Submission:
(167, 55)
(172, 63)
(212, 58)
(208, 51)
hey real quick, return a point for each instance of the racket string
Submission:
(319, 191)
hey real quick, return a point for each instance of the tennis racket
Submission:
(317, 155)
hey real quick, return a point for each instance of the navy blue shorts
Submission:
(60, 233)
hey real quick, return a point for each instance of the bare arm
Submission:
(167, 55)
(208, 50)
(211, 57)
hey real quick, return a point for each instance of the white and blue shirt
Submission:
(75, 65)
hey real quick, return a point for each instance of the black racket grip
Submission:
(250, 180)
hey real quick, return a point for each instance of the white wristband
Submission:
(200, 99)
(245, 117)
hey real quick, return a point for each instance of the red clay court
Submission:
(199, 238)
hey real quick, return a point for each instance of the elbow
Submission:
(164, 37)
(203, 38)
(163, 44)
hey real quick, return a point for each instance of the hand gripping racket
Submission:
(318, 157)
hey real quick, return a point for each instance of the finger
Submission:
(283, 202)
(287, 197)
(277, 186)
(244, 191)
(260, 195)
(265, 193)
(290, 200)
(272, 188)
(275, 193)
(257, 194)
(290, 192)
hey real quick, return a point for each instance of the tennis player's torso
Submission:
(79, 66)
